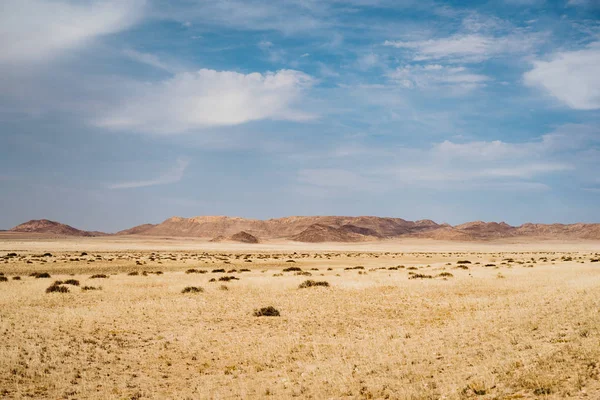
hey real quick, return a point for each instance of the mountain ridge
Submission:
(329, 228)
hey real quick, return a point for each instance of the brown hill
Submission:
(318, 233)
(211, 227)
(136, 229)
(244, 237)
(52, 227)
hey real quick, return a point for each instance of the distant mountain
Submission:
(136, 229)
(52, 227)
(315, 229)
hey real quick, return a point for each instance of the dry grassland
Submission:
(408, 325)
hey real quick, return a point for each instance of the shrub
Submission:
(219, 270)
(290, 261)
(446, 275)
(73, 282)
(303, 273)
(419, 276)
(192, 289)
(212, 280)
(269, 311)
(86, 288)
(461, 267)
(133, 273)
(57, 289)
(228, 278)
(223, 287)
(292, 269)
(463, 262)
(99, 276)
(357, 267)
(489, 265)
(16, 278)
(195, 271)
(393, 268)
(41, 275)
(311, 283)
(244, 270)
(3, 279)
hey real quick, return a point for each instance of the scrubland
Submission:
(437, 324)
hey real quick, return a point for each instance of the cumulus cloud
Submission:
(35, 30)
(570, 76)
(173, 175)
(209, 98)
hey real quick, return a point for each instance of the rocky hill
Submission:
(52, 227)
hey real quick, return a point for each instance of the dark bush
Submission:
(16, 278)
(311, 283)
(41, 275)
(57, 289)
(219, 270)
(446, 275)
(195, 271)
(192, 289)
(292, 269)
(463, 262)
(73, 282)
(99, 276)
(133, 273)
(3, 279)
(357, 267)
(86, 288)
(228, 278)
(267, 312)
(419, 276)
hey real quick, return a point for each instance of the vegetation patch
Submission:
(193, 289)
(99, 276)
(292, 269)
(86, 288)
(269, 311)
(228, 278)
(419, 276)
(311, 283)
(57, 288)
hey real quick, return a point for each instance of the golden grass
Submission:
(501, 332)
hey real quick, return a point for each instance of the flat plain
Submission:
(403, 319)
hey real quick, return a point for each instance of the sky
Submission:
(121, 112)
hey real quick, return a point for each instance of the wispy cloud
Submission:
(435, 76)
(34, 30)
(173, 175)
(572, 77)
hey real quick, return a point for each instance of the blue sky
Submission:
(121, 112)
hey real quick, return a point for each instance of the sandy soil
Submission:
(520, 320)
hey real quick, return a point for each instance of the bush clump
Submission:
(54, 288)
(86, 288)
(99, 276)
(73, 282)
(311, 283)
(419, 276)
(3, 279)
(41, 275)
(133, 273)
(446, 275)
(463, 262)
(228, 278)
(218, 270)
(192, 289)
(195, 271)
(269, 311)
(292, 269)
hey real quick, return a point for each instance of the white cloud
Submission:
(208, 98)
(472, 47)
(572, 77)
(35, 30)
(149, 59)
(458, 79)
(173, 175)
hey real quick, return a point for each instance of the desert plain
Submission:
(396, 319)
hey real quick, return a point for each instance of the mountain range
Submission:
(315, 229)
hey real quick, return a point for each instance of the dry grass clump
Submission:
(40, 275)
(292, 269)
(73, 282)
(463, 262)
(3, 279)
(99, 276)
(311, 283)
(54, 288)
(413, 275)
(461, 267)
(218, 270)
(357, 267)
(193, 289)
(303, 273)
(133, 273)
(223, 287)
(269, 311)
(445, 275)
(228, 278)
(196, 271)
(16, 278)
(86, 288)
